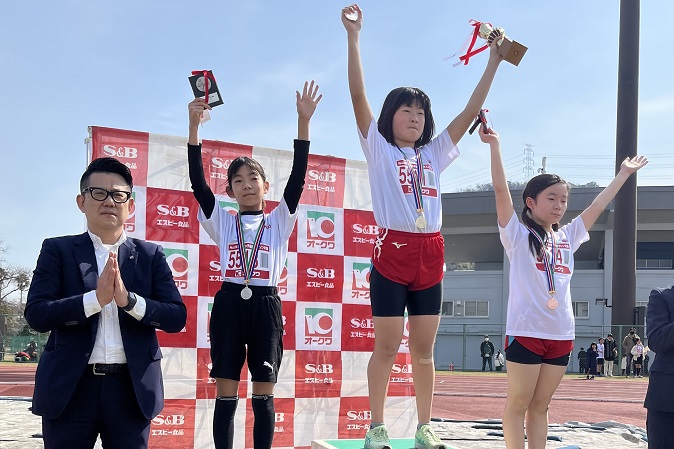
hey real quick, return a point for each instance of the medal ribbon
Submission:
(470, 52)
(207, 75)
(548, 262)
(247, 264)
(417, 177)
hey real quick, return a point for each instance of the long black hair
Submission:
(534, 187)
(408, 96)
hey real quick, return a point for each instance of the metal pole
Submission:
(624, 241)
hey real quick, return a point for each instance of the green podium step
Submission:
(396, 443)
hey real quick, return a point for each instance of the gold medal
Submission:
(552, 303)
(421, 222)
(246, 293)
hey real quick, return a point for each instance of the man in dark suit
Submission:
(660, 396)
(102, 296)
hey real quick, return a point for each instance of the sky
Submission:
(124, 64)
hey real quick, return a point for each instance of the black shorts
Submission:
(253, 326)
(517, 353)
(389, 298)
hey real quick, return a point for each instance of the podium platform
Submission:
(396, 443)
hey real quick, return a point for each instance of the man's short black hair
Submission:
(106, 165)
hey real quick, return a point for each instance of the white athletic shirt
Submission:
(221, 227)
(390, 185)
(528, 312)
(600, 351)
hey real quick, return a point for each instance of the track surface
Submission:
(473, 396)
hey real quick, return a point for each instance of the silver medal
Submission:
(246, 293)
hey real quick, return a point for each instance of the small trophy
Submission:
(512, 51)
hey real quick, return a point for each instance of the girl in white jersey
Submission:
(246, 320)
(404, 163)
(540, 324)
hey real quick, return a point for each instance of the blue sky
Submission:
(124, 64)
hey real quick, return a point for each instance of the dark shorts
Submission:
(253, 326)
(534, 351)
(638, 359)
(600, 360)
(389, 298)
(413, 260)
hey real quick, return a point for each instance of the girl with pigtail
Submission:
(540, 324)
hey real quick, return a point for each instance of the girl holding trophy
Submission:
(406, 160)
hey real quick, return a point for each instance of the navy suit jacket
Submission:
(66, 269)
(660, 326)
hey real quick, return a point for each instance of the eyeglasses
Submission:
(99, 194)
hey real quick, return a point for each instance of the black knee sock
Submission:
(223, 421)
(263, 429)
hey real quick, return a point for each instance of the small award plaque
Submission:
(204, 86)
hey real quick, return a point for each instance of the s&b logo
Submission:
(177, 261)
(168, 420)
(320, 368)
(120, 152)
(173, 211)
(324, 176)
(358, 228)
(320, 273)
(359, 415)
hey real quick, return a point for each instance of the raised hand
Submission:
(196, 109)
(488, 137)
(349, 13)
(493, 47)
(307, 102)
(633, 164)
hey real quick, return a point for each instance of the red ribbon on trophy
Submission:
(470, 52)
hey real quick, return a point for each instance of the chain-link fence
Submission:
(458, 345)
(17, 337)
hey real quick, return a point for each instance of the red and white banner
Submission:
(329, 334)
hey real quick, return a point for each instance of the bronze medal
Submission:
(552, 303)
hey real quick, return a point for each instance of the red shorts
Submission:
(411, 259)
(547, 349)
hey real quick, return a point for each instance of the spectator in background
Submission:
(582, 360)
(623, 364)
(591, 361)
(660, 396)
(499, 360)
(628, 343)
(647, 358)
(610, 354)
(487, 351)
(31, 350)
(638, 351)
(600, 357)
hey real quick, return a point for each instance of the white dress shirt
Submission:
(108, 347)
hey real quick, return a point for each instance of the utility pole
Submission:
(625, 206)
(528, 161)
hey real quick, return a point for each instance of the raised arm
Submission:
(629, 166)
(458, 127)
(504, 202)
(202, 192)
(306, 105)
(361, 107)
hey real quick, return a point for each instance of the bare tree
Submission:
(13, 278)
